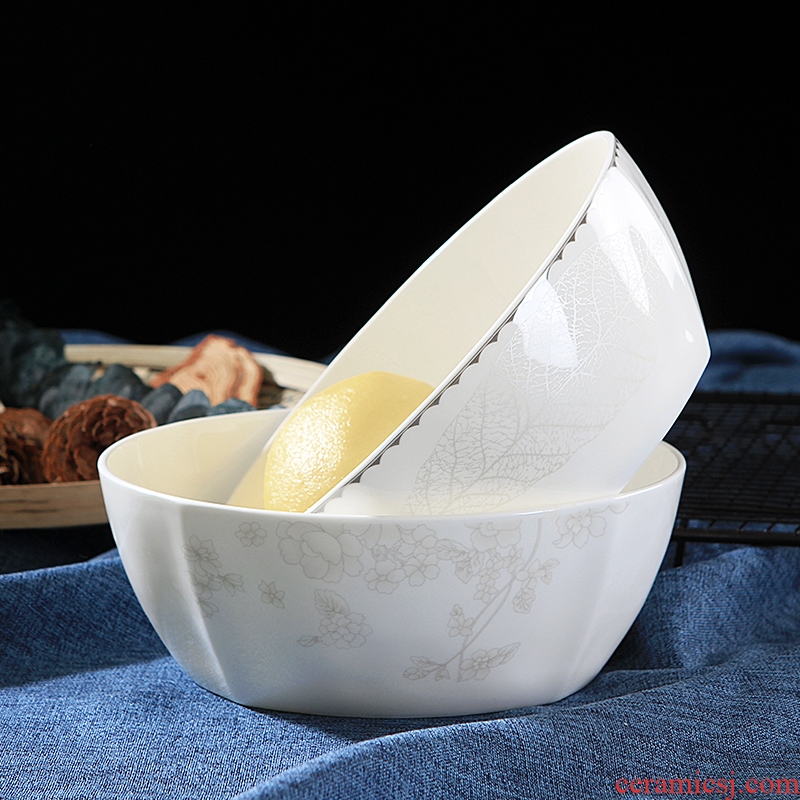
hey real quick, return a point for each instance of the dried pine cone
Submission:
(22, 435)
(84, 430)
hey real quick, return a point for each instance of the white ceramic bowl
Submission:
(563, 336)
(389, 616)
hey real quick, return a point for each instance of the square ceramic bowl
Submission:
(562, 332)
(391, 616)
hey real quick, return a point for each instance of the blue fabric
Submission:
(745, 361)
(702, 697)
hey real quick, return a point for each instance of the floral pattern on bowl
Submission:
(476, 585)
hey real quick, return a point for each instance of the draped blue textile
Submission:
(702, 697)
(748, 361)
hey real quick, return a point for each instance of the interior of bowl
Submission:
(197, 459)
(201, 459)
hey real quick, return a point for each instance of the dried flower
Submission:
(22, 435)
(220, 368)
(84, 430)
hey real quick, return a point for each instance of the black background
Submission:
(175, 171)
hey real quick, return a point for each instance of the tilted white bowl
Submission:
(368, 616)
(563, 337)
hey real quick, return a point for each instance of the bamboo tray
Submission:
(62, 505)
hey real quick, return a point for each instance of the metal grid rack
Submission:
(743, 468)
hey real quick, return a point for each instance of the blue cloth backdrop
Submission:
(702, 697)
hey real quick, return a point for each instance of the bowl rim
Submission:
(108, 476)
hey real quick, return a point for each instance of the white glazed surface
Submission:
(561, 329)
(360, 616)
(573, 387)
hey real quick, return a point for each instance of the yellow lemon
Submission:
(330, 434)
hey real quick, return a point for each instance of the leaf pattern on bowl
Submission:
(582, 347)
